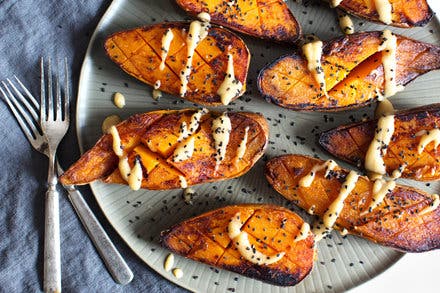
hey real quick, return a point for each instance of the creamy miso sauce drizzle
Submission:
(182, 181)
(246, 249)
(374, 158)
(328, 166)
(433, 206)
(313, 52)
(381, 188)
(384, 9)
(132, 176)
(166, 42)
(197, 32)
(389, 48)
(221, 130)
(184, 150)
(303, 232)
(194, 123)
(241, 150)
(335, 3)
(335, 208)
(230, 86)
(427, 137)
(156, 92)
(169, 262)
(345, 23)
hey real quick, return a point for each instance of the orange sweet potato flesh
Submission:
(271, 229)
(397, 221)
(152, 138)
(267, 19)
(406, 13)
(353, 71)
(402, 150)
(138, 52)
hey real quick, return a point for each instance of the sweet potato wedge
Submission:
(271, 230)
(266, 19)
(350, 143)
(152, 138)
(404, 13)
(139, 53)
(398, 221)
(353, 71)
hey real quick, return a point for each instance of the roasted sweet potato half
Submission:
(153, 139)
(351, 142)
(139, 53)
(353, 71)
(278, 250)
(405, 13)
(401, 220)
(266, 19)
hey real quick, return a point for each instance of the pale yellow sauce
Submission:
(169, 262)
(166, 42)
(384, 107)
(335, 3)
(248, 251)
(204, 16)
(328, 166)
(313, 51)
(184, 150)
(135, 177)
(157, 84)
(157, 94)
(381, 188)
(110, 121)
(433, 206)
(178, 273)
(124, 167)
(194, 123)
(197, 32)
(230, 87)
(119, 100)
(432, 135)
(384, 9)
(398, 172)
(117, 148)
(344, 232)
(241, 150)
(389, 48)
(345, 23)
(374, 158)
(335, 208)
(311, 210)
(221, 130)
(303, 232)
(182, 181)
(188, 194)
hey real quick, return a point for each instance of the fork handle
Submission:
(113, 260)
(52, 254)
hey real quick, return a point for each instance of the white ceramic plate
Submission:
(139, 216)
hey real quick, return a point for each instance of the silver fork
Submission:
(27, 117)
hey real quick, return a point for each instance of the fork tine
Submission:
(42, 93)
(28, 106)
(66, 91)
(28, 93)
(57, 100)
(49, 98)
(20, 116)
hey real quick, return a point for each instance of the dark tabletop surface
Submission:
(30, 29)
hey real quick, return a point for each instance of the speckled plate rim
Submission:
(82, 93)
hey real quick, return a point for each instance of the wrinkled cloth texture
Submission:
(30, 29)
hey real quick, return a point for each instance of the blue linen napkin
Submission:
(30, 29)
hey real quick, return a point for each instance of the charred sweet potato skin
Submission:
(271, 20)
(350, 143)
(271, 229)
(152, 138)
(138, 52)
(396, 222)
(353, 73)
(405, 14)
